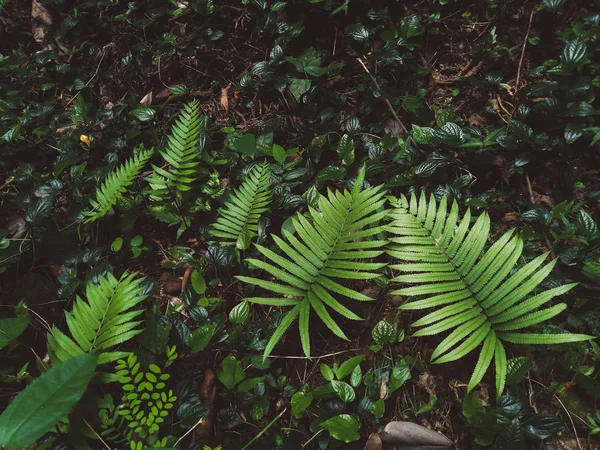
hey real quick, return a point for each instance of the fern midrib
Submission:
(102, 321)
(450, 260)
(331, 249)
(254, 200)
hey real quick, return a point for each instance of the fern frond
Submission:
(104, 321)
(444, 259)
(238, 218)
(326, 247)
(116, 185)
(182, 154)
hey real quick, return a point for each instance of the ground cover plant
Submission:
(285, 224)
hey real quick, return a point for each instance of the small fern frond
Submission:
(238, 218)
(182, 154)
(331, 243)
(104, 321)
(444, 259)
(116, 185)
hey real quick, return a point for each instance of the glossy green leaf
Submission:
(343, 427)
(144, 113)
(239, 313)
(574, 52)
(346, 149)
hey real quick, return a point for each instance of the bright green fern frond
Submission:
(116, 184)
(444, 261)
(331, 243)
(182, 154)
(238, 218)
(104, 321)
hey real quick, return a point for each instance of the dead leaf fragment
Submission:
(39, 12)
(147, 99)
(374, 442)
(41, 18)
(225, 98)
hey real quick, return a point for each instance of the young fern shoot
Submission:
(331, 243)
(470, 288)
(116, 185)
(238, 218)
(182, 154)
(104, 321)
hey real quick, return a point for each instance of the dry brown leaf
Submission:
(225, 98)
(164, 93)
(39, 12)
(146, 99)
(374, 442)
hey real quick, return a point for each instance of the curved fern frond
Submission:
(102, 322)
(182, 154)
(239, 216)
(332, 243)
(116, 185)
(444, 259)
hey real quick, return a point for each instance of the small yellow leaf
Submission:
(86, 140)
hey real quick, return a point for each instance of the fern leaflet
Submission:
(329, 244)
(472, 291)
(116, 184)
(182, 154)
(239, 216)
(102, 322)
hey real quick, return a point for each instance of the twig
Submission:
(96, 434)
(189, 431)
(314, 357)
(530, 189)
(572, 423)
(389, 105)
(93, 76)
(523, 49)
(264, 430)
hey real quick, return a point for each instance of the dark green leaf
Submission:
(246, 144)
(298, 87)
(346, 149)
(231, 372)
(542, 426)
(574, 52)
(383, 333)
(144, 113)
(516, 368)
(200, 337)
(11, 328)
(45, 401)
